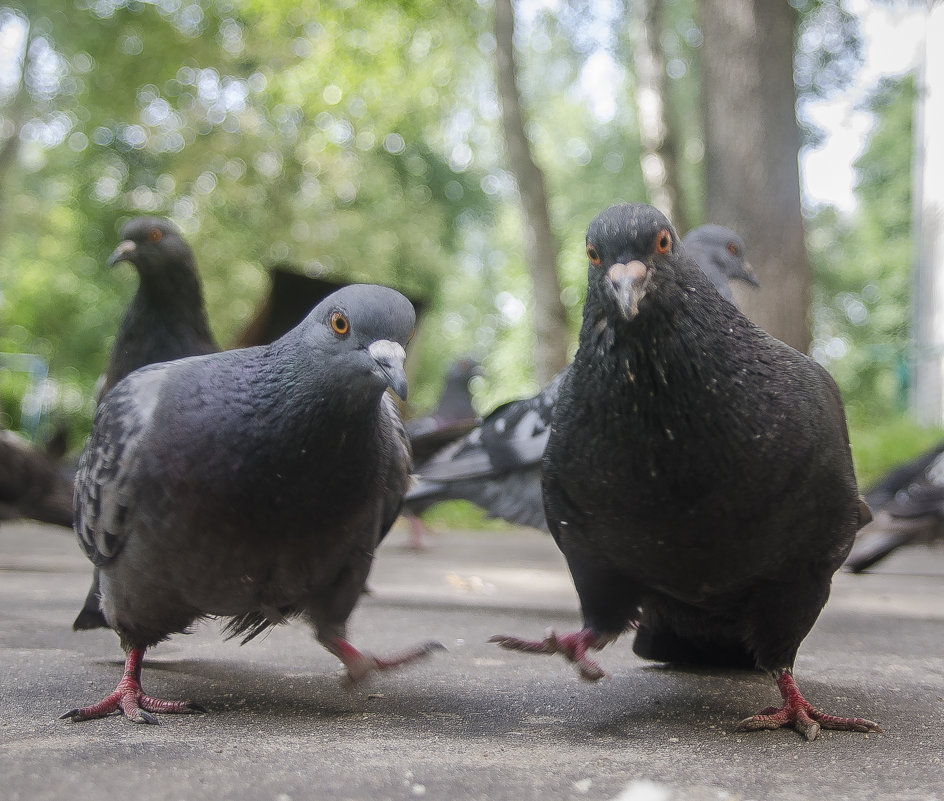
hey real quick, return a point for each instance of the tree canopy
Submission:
(355, 141)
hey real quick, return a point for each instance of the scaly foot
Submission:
(360, 665)
(129, 699)
(801, 715)
(573, 647)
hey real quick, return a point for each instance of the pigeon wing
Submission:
(104, 482)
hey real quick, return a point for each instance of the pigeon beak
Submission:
(123, 252)
(628, 283)
(748, 275)
(389, 357)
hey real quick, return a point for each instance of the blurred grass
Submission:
(463, 515)
(876, 448)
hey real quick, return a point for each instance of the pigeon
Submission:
(908, 504)
(453, 416)
(719, 252)
(165, 320)
(698, 476)
(251, 485)
(497, 465)
(35, 483)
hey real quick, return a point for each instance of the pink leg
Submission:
(360, 665)
(130, 699)
(573, 647)
(801, 715)
(418, 529)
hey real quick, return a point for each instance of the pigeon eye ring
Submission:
(663, 241)
(339, 324)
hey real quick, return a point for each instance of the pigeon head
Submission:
(633, 251)
(154, 246)
(366, 327)
(724, 249)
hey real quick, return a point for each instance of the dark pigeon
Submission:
(165, 320)
(252, 485)
(35, 482)
(698, 477)
(497, 466)
(909, 509)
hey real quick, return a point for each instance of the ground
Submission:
(475, 722)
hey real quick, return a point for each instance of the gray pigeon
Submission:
(720, 254)
(252, 485)
(165, 320)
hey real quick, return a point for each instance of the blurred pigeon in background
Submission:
(698, 477)
(453, 416)
(720, 254)
(165, 320)
(908, 507)
(35, 483)
(497, 466)
(250, 484)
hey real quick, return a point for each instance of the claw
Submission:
(360, 665)
(130, 700)
(573, 647)
(801, 715)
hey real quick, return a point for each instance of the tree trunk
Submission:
(540, 245)
(927, 388)
(659, 155)
(752, 143)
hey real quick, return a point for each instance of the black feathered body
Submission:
(694, 467)
(251, 484)
(497, 465)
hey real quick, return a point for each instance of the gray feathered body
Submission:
(249, 484)
(698, 477)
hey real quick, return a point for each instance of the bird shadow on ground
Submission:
(646, 701)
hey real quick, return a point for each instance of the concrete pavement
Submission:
(476, 722)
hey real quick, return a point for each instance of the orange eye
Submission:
(663, 241)
(732, 248)
(339, 324)
(156, 235)
(593, 255)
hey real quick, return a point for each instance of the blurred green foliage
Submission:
(355, 141)
(361, 141)
(862, 266)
